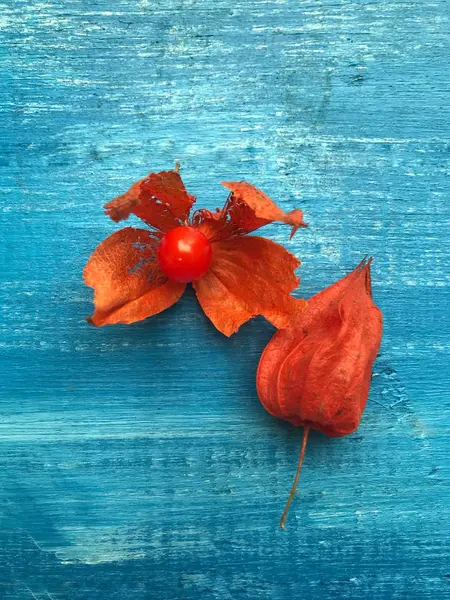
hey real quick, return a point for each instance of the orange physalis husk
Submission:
(248, 276)
(316, 373)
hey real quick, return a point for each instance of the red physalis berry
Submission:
(184, 254)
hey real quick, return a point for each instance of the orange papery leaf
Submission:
(248, 276)
(128, 283)
(247, 209)
(161, 200)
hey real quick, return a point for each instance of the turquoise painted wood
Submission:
(137, 462)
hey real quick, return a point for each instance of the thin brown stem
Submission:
(177, 166)
(297, 477)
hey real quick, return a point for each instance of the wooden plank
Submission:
(137, 462)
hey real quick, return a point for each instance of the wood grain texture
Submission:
(137, 462)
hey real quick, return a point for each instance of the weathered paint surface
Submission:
(137, 463)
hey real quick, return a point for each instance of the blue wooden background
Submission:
(137, 462)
